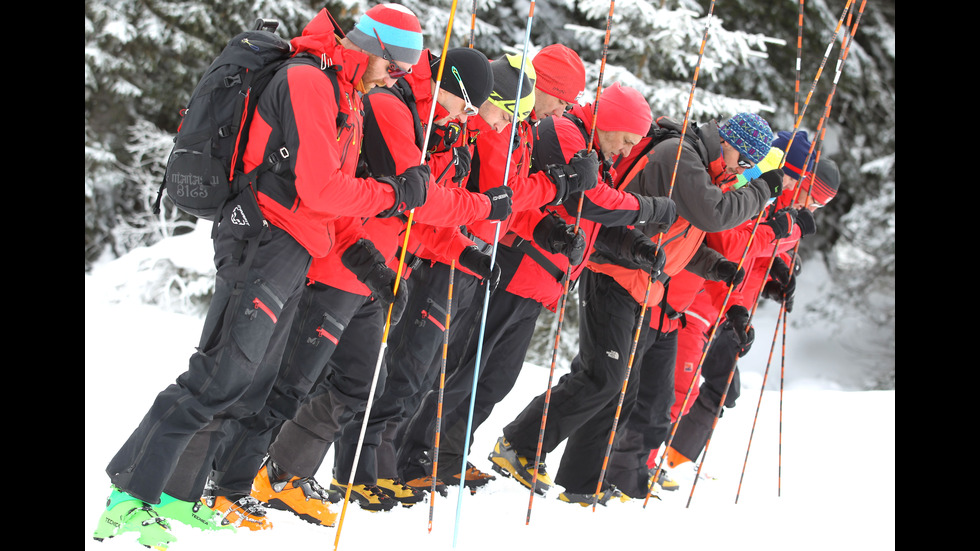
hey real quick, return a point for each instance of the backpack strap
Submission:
(304, 58)
(516, 242)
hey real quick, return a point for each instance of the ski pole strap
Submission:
(482, 245)
(411, 261)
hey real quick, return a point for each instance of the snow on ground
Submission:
(800, 491)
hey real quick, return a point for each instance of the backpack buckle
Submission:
(280, 155)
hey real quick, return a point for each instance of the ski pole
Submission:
(765, 377)
(563, 300)
(445, 341)
(821, 129)
(782, 379)
(799, 54)
(714, 327)
(401, 266)
(442, 386)
(493, 258)
(473, 25)
(782, 309)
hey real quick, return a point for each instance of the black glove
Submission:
(555, 236)
(658, 213)
(500, 202)
(580, 174)
(781, 222)
(774, 181)
(411, 188)
(461, 160)
(804, 219)
(738, 319)
(648, 255)
(479, 263)
(606, 173)
(401, 300)
(782, 287)
(363, 259)
(728, 272)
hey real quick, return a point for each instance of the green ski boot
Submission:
(195, 514)
(125, 513)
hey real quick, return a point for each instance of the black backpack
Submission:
(205, 169)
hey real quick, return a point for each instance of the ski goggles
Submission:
(394, 71)
(743, 162)
(469, 110)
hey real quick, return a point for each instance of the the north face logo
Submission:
(238, 216)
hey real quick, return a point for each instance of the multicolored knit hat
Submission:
(505, 73)
(396, 26)
(749, 134)
(560, 72)
(797, 153)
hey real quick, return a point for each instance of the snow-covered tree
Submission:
(143, 58)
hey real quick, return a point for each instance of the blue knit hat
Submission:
(797, 153)
(749, 134)
(396, 26)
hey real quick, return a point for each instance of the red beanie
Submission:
(560, 72)
(623, 108)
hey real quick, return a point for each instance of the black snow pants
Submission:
(584, 402)
(230, 374)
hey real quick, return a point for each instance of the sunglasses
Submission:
(394, 71)
(744, 163)
(469, 110)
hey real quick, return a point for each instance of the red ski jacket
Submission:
(393, 136)
(732, 243)
(487, 170)
(298, 112)
(531, 271)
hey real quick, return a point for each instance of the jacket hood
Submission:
(321, 37)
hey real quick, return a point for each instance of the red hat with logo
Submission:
(560, 72)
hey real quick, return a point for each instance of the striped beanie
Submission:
(749, 134)
(826, 183)
(505, 73)
(797, 153)
(397, 27)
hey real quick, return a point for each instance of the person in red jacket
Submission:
(583, 402)
(467, 78)
(732, 342)
(649, 423)
(246, 325)
(534, 257)
(412, 359)
(343, 307)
